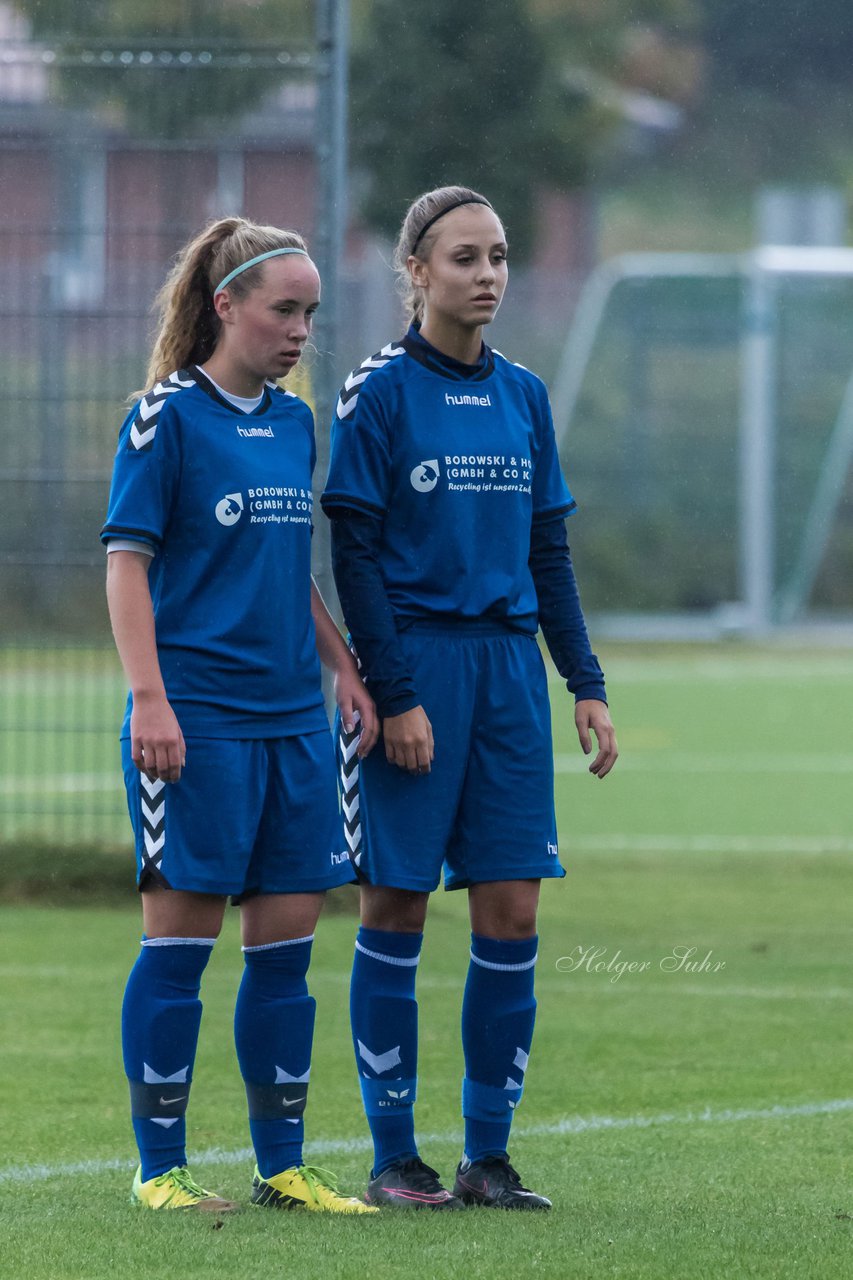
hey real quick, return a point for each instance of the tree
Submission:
(459, 93)
(503, 95)
(778, 102)
(782, 47)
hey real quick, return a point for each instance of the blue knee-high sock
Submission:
(160, 1019)
(498, 1012)
(384, 1016)
(273, 1032)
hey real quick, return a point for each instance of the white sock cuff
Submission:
(286, 942)
(505, 968)
(405, 962)
(178, 942)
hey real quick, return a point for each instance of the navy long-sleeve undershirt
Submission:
(560, 615)
(367, 610)
(370, 617)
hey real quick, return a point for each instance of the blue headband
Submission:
(253, 262)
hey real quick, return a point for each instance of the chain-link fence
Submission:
(96, 202)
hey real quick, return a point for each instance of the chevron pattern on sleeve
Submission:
(283, 391)
(348, 398)
(144, 427)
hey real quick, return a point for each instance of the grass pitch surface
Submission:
(689, 1104)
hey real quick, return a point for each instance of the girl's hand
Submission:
(590, 714)
(356, 706)
(156, 742)
(408, 740)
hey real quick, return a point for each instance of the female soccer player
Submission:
(450, 551)
(227, 754)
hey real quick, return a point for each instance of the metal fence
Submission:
(92, 215)
(89, 221)
(66, 370)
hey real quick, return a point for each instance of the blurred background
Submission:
(674, 176)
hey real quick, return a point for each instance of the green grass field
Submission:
(687, 1123)
(60, 711)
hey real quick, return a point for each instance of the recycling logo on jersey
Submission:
(476, 473)
(230, 508)
(424, 476)
(267, 504)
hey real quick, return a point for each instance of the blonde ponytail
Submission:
(188, 326)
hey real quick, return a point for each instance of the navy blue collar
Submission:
(429, 356)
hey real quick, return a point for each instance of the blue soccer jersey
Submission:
(224, 500)
(458, 469)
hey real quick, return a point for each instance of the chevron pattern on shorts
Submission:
(144, 427)
(349, 771)
(153, 800)
(348, 398)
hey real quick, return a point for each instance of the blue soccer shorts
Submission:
(486, 810)
(248, 816)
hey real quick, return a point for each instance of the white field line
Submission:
(757, 993)
(620, 843)
(635, 989)
(676, 762)
(574, 1125)
(737, 669)
(629, 985)
(734, 670)
(73, 680)
(595, 986)
(60, 783)
(632, 988)
(564, 762)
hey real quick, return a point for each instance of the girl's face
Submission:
(464, 279)
(264, 332)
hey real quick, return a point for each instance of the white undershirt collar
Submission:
(246, 404)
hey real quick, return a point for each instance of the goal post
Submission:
(766, 593)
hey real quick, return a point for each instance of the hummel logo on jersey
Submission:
(449, 398)
(230, 508)
(424, 476)
(249, 432)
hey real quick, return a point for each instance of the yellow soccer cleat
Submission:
(177, 1190)
(305, 1188)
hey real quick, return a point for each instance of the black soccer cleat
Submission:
(493, 1183)
(410, 1184)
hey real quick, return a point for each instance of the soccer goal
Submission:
(704, 411)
